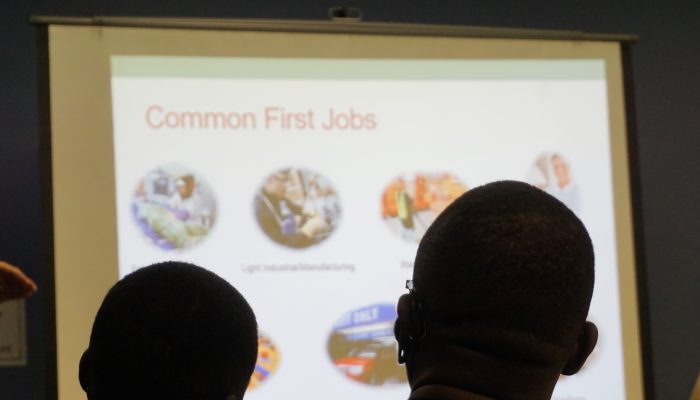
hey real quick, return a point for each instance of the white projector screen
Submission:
(305, 167)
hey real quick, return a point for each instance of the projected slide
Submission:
(308, 184)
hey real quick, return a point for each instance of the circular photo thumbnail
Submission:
(551, 172)
(267, 363)
(362, 346)
(174, 207)
(410, 203)
(297, 207)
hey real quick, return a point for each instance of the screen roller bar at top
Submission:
(336, 26)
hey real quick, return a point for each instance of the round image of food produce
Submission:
(267, 363)
(297, 208)
(411, 202)
(174, 207)
(552, 173)
(362, 346)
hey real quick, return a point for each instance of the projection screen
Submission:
(304, 167)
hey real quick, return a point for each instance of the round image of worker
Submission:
(552, 173)
(411, 202)
(362, 346)
(297, 208)
(174, 207)
(267, 363)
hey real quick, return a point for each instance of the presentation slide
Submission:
(308, 184)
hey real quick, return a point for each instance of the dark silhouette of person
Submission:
(171, 331)
(498, 302)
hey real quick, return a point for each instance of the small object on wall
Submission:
(13, 343)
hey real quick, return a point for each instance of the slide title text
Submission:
(269, 118)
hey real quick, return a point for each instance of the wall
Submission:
(667, 82)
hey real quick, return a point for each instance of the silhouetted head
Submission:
(171, 331)
(502, 284)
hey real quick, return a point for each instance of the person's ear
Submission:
(582, 349)
(402, 325)
(83, 369)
